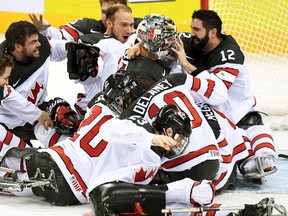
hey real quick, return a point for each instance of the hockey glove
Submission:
(202, 193)
(82, 60)
(64, 118)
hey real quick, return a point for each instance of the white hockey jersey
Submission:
(77, 157)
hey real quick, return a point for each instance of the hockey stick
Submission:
(281, 209)
(283, 156)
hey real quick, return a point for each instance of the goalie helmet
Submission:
(158, 33)
(120, 89)
(170, 116)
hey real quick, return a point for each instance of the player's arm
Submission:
(66, 32)
(125, 131)
(24, 109)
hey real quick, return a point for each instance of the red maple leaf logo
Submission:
(141, 175)
(34, 92)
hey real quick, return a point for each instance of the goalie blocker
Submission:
(82, 60)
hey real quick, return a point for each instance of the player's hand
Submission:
(181, 56)
(45, 120)
(179, 52)
(164, 141)
(133, 51)
(39, 22)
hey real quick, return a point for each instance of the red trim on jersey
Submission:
(70, 31)
(210, 89)
(7, 174)
(226, 158)
(240, 148)
(223, 143)
(196, 84)
(192, 201)
(191, 155)
(22, 166)
(263, 144)
(246, 139)
(54, 139)
(213, 213)
(221, 177)
(79, 110)
(8, 91)
(70, 168)
(225, 117)
(8, 138)
(237, 150)
(22, 144)
(231, 71)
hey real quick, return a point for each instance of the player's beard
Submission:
(201, 42)
(29, 56)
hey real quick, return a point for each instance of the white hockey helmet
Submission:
(158, 33)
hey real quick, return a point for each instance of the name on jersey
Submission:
(207, 111)
(144, 101)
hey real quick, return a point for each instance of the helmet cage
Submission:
(118, 89)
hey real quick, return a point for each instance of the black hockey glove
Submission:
(64, 118)
(82, 60)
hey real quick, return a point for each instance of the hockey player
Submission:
(225, 77)
(156, 34)
(120, 197)
(118, 37)
(111, 186)
(208, 54)
(72, 161)
(73, 30)
(231, 145)
(12, 100)
(14, 103)
(31, 54)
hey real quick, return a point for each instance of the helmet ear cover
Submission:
(158, 33)
(170, 116)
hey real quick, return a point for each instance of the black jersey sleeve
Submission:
(1, 93)
(87, 25)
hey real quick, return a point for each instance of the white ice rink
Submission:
(59, 85)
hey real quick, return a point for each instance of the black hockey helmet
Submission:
(120, 89)
(171, 116)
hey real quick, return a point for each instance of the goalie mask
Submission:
(158, 34)
(170, 116)
(120, 89)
